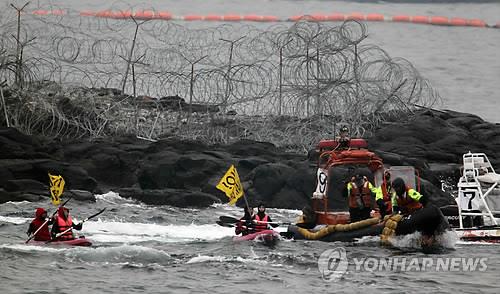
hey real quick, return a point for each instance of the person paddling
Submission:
(245, 225)
(63, 224)
(40, 225)
(261, 219)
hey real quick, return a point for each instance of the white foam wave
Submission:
(206, 258)
(14, 219)
(446, 240)
(34, 247)
(16, 203)
(140, 232)
(407, 241)
(114, 198)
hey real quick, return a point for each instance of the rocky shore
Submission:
(184, 173)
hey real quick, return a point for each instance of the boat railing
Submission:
(478, 189)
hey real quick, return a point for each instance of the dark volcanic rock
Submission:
(174, 197)
(184, 172)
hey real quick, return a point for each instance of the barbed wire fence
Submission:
(290, 84)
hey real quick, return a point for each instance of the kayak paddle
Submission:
(228, 219)
(227, 225)
(34, 234)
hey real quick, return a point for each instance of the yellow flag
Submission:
(231, 185)
(56, 188)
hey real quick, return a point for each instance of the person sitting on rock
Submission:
(63, 224)
(405, 200)
(359, 193)
(261, 219)
(245, 225)
(343, 138)
(383, 195)
(40, 225)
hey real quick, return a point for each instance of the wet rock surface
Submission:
(184, 173)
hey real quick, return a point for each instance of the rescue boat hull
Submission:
(486, 235)
(428, 220)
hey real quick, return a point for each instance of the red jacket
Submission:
(43, 234)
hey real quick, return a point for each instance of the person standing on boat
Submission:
(64, 224)
(245, 225)
(359, 193)
(343, 138)
(40, 222)
(261, 219)
(406, 200)
(383, 195)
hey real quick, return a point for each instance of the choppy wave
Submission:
(140, 232)
(14, 219)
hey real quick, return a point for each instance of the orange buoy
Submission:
(269, 18)
(145, 14)
(58, 12)
(355, 16)
(231, 17)
(297, 17)
(375, 17)
(440, 20)
(401, 18)
(420, 19)
(104, 13)
(458, 21)
(318, 17)
(252, 17)
(164, 15)
(40, 12)
(213, 17)
(335, 17)
(476, 23)
(192, 17)
(87, 13)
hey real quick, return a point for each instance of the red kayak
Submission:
(74, 242)
(269, 237)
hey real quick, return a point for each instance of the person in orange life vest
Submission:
(383, 195)
(343, 138)
(40, 218)
(359, 194)
(62, 222)
(405, 200)
(261, 219)
(245, 226)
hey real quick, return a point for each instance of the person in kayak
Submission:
(405, 200)
(245, 226)
(383, 195)
(62, 223)
(359, 194)
(261, 219)
(40, 222)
